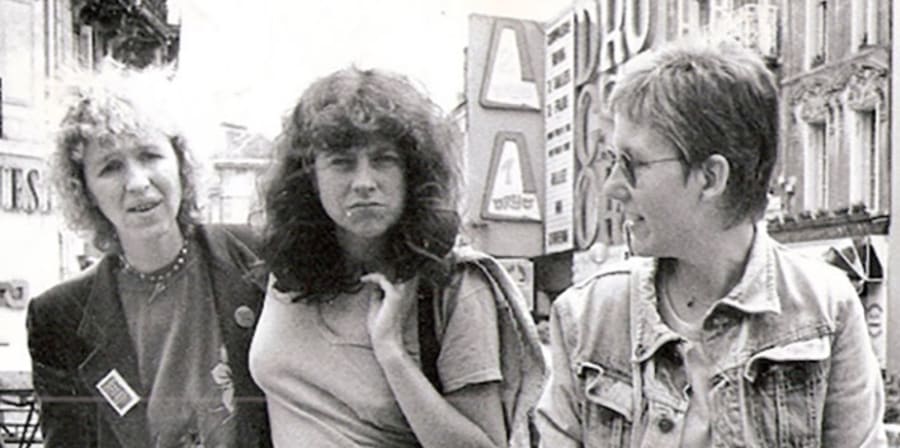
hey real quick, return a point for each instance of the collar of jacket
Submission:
(756, 292)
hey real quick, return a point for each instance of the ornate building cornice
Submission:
(134, 31)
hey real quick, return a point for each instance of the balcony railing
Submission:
(753, 25)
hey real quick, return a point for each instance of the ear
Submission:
(714, 172)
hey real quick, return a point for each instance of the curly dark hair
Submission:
(349, 108)
(97, 107)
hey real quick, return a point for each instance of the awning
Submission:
(858, 259)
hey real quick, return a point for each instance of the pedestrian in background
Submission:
(375, 330)
(714, 334)
(147, 347)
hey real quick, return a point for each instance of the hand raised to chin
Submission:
(388, 309)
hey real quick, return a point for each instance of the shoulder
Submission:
(810, 286)
(54, 315)
(605, 293)
(69, 295)
(233, 246)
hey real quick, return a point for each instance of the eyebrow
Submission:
(106, 157)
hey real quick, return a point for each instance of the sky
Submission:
(249, 63)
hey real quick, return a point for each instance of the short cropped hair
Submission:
(709, 98)
(346, 109)
(98, 107)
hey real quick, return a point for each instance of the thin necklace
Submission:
(160, 275)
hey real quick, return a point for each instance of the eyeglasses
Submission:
(629, 167)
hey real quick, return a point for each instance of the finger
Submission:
(379, 280)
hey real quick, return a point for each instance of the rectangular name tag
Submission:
(117, 392)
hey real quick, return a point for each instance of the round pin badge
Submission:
(244, 316)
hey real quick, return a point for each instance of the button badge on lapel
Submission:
(244, 316)
(117, 392)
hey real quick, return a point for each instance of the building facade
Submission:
(831, 196)
(239, 168)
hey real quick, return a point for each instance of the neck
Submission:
(713, 268)
(151, 254)
(369, 254)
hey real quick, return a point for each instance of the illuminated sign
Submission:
(511, 192)
(605, 34)
(24, 186)
(559, 160)
(509, 80)
(609, 32)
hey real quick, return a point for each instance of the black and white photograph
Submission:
(449, 223)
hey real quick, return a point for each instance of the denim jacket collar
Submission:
(749, 296)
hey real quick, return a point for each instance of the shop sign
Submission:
(14, 293)
(509, 81)
(559, 158)
(24, 184)
(610, 32)
(511, 192)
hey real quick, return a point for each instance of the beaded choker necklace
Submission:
(162, 274)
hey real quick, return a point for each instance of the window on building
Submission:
(864, 178)
(85, 47)
(687, 16)
(720, 12)
(815, 191)
(817, 32)
(703, 15)
(864, 22)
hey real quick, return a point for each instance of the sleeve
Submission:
(470, 340)
(558, 411)
(64, 421)
(855, 386)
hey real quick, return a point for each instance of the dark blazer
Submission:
(77, 333)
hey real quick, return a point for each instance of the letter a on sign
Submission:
(511, 193)
(509, 80)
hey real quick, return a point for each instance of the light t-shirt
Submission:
(323, 384)
(697, 366)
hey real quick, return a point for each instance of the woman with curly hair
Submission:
(375, 330)
(148, 347)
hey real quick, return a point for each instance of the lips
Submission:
(142, 207)
(364, 205)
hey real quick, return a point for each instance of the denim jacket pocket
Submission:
(607, 411)
(785, 391)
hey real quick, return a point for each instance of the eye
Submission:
(150, 155)
(110, 167)
(341, 161)
(387, 158)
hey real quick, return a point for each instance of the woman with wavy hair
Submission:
(375, 330)
(147, 347)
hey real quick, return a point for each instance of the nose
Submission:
(616, 186)
(138, 179)
(364, 178)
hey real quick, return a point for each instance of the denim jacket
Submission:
(791, 356)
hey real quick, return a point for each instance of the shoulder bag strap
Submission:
(429, 347)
